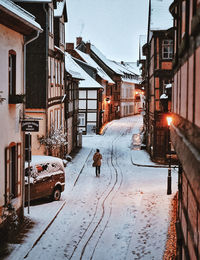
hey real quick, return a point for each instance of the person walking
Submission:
(97, 162)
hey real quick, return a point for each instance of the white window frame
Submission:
(167, 49)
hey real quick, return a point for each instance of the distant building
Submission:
(71, 101)
(158, 75)
(185, 129)
(121, 96)
(17, 29)
(89, 97)
(104, 80)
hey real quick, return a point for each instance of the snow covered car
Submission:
(47, 177)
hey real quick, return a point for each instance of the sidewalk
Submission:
(48, 211)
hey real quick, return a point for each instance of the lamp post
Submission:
(169, 178)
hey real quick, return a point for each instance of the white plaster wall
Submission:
(10, 129)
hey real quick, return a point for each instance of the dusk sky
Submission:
(113, 26)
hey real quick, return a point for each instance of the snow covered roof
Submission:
(160, 18)
(58, 12)
(20, 13)
(37, 159)
(128, 75)
(163, 96)
(71, 67)
(133, 67)
(33, 1)
(76, 71)
(142, 42)
(117, 67)
(169, 85)
(92, 63)
(112, 65)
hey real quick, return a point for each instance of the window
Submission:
(167, 49)
(59, 73)
(81, 119)
(12, 171)
(12, 73)
(56, 72)
(50, 20)
(51, 65)
(55, 119)
(62, 33)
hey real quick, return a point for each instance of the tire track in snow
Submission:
(112, 190)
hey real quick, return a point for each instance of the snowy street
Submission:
(123, 214)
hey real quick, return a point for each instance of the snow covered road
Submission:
(124, 214)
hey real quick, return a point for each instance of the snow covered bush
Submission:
(55, 140)
(1, 98)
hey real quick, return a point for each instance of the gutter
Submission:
(25, 44)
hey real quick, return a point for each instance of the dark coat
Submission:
(97, 159)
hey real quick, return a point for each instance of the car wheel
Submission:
(56, 194)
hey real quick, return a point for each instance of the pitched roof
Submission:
(160, 18)
(8, 8)
(110, 64)
(92, 63)
(33, 1)
(77, 72)
(133, 67)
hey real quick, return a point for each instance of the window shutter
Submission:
(18, 172)
(7, 170)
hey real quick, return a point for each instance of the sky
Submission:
(113, 26)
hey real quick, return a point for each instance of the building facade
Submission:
(121, 94)
(185, 130)
(89, 98)
(17, 28)
(45, 82)
(158, 75)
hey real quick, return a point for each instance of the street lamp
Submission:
(169, 178)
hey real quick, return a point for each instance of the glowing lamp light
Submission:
(107, 100)
(169, 120)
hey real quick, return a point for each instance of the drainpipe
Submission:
(23, 183)
(46, 63)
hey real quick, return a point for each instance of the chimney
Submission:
(88, 50)
(69, 47)
(78, 40)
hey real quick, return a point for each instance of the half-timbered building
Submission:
(89, 98)
(159, 51)
(45, 81)
(122, 93)
(185, 128)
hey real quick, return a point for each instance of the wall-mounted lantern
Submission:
(108, 100)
